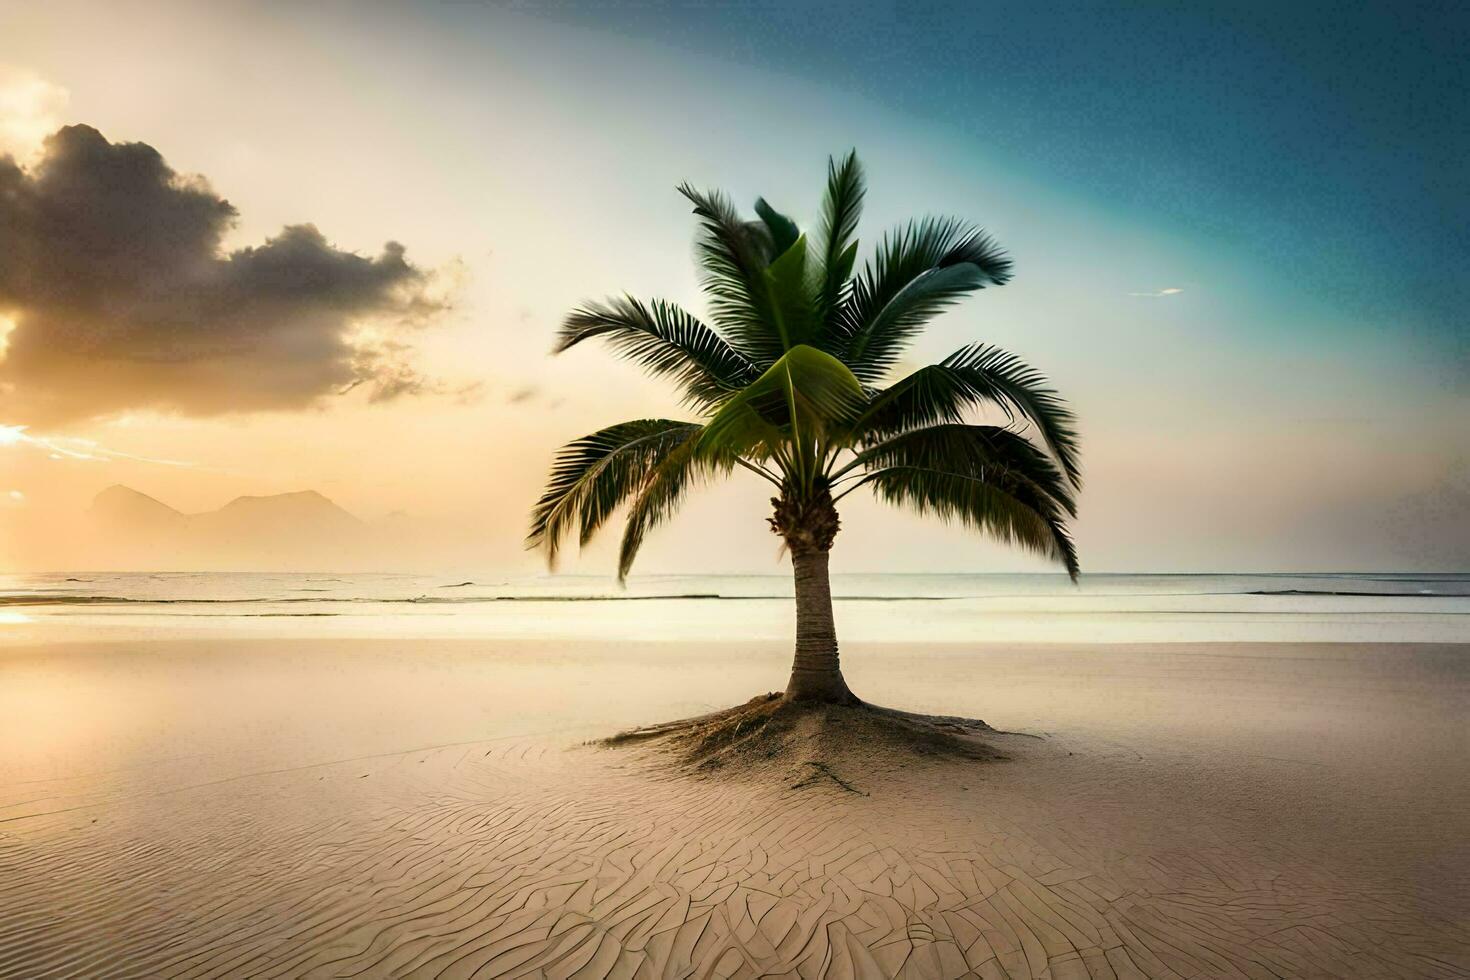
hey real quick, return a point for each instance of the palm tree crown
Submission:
(789, 381)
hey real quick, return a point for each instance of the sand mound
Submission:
(806, 744)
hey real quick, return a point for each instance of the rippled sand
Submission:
(386, 808)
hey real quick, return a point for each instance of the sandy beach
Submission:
(373, 808)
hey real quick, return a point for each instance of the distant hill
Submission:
(126, 506)
(302, 530)
(303, 511)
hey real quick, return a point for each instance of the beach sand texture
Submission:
(1249, 810)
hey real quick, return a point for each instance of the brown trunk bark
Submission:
(808, 523)
(816, 674)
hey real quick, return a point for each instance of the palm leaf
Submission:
(977, 502)
(889, 304)
(666, 341)
(980, 450)
(785, 411)
(593, 475)
(986, 477)
(874, 352)
(783, 230)
(733, 255)
(842, 206)
(662, 493)
(790, 297)
(969, 378)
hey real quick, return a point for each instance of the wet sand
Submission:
(429, 808)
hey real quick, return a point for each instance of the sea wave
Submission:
(114, 600)
(79, 599)
(1420, 594)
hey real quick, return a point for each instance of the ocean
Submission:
(1039, 608)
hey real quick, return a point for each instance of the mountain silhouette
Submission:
(305, 510)
(126, 506)
(301, 530)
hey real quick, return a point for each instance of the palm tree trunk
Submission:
(815, 673)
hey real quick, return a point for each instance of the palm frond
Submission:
(836, 245)
(592, 476)
(890, 302)
(662, 493)
(790, 296)
(733, 255)
(975, 449)
(799, 399)
(973, 376)
(986, 477)
(874, 351)
(977, 503)
(667, 342)
(783, 230)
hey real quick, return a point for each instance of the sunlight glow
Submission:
(76, 448)
(30, 109)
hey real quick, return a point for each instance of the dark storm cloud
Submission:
(111, 265)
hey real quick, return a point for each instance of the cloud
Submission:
(121, 296)
(522, 395)
(1169, 291)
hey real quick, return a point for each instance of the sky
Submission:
(286, 247)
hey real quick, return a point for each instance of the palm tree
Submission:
(790, 383)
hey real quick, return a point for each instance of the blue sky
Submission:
(1326, 144)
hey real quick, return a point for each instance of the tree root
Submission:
(809, 742)
(823, 772)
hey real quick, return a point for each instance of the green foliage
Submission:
(783, 230)
(733, 258)
(917, 272)
(592, 476)
(790, 297)
(662, 493)
(842, 206)
(789, 378)
(986, 477)
(984, 501)
(786, 414)
(970, 378)
(667, 342)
